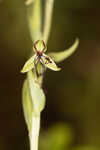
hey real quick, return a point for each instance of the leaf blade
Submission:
(37, 95)
(33, 99)
(27, 104)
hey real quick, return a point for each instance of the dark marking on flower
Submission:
(48, 60)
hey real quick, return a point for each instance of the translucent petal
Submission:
(49, 63)
(28, 65)
(60, 56)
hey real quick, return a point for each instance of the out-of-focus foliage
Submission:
(85, 148)
(58, 137)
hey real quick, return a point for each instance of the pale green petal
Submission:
(49, 63)
(60, 56)
(29, 65)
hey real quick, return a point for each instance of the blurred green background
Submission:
(71, 119)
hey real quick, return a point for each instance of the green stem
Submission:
(34, 18)
(34, 135)
(48, 18)
(35, 127)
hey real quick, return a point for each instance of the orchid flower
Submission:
(44, 60)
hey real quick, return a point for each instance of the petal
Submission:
(49, 63)
(28, 65)
(40, 46)
(60, 56)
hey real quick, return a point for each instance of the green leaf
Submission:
(27, 104)
(49, 63)
(36, 94)
(60, 56)
(33, 99)
(29, 65)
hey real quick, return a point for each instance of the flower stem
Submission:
(34, 20)
(34, 135)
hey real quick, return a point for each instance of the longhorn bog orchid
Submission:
(39, 57)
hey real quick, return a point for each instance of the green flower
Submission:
(39, 48)
(46, 61)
